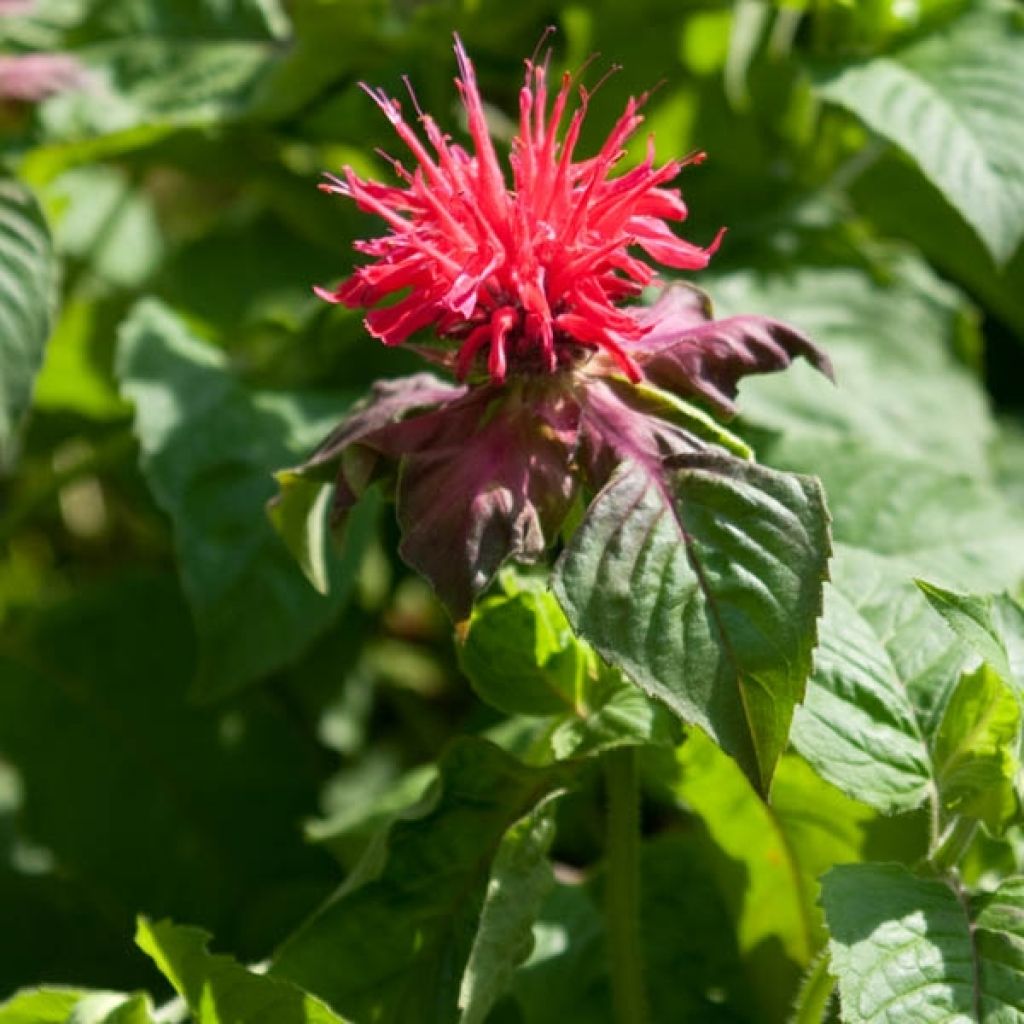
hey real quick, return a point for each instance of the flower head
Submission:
(530, 276)
(532, 284)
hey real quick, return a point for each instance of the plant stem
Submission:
(622, 887)
(953, 845)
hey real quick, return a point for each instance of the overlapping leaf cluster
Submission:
(381, 824)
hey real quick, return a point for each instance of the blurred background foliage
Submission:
(186, 728)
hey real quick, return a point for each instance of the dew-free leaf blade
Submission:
(909, 948)
(419, 896)
(952, 102)
(520, 880)
(975, 749)
(28, 283)
(218, 989)
(209, 449)
(703, 584)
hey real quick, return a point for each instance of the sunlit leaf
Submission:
(953, 103)
(704, 587)
(217, 989)
(907, 948)
(975, 749)
(28, 281)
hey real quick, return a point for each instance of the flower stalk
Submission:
(622, 886)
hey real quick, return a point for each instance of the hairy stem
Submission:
(953, 845)
(622, 891)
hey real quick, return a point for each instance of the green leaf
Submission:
(975, 749)
(72, 1006)
(859, 725)
(392, 943)
(521, 656)
(901, 204)
(520, 880)
(209, 449)
(299, 514)
(694, 973)
(892, 345)
(913, 949)
(953, 103)
(993, 626)
(704, 588)
(912, 518)
(40, 1006)
(782, 848)
(217, 989)
(28, 293)
(188, 811)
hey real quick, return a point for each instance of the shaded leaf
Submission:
(893, 347)
(99, 684)
(209, 448)
(771, 857)
(419, 895)
(520, 880)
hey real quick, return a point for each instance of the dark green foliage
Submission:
(319, 807)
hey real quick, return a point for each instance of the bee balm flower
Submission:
(531, 276)
(527, 291)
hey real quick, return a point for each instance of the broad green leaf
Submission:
(892, 346)
(953, 103)
(912, 949)
(704, 587)
(148, 84)
(893, 519)
(71, 1006)
(694, 971)
(520, 880)
(783, 847)
(135, 793)
(392, 943)
(911, 517)
(975, 749)
(209, 449)
(219, 990)
(28, 292)
(40, 1006)
(901, 204)
(993, 626)
(105, 220)
(859, 726)
(77, 373)
(521, 656)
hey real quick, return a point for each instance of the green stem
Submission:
(953, 845)
(622, 887)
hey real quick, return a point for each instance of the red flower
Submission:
(31, 77)
(535, 277)
(533, 274)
